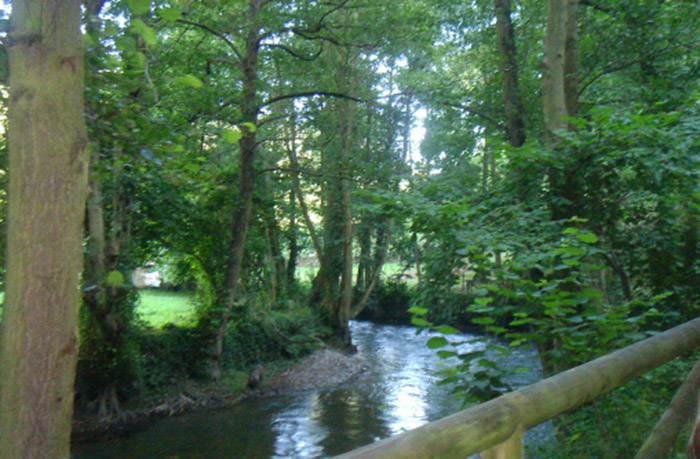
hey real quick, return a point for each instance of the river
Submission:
(398, 392)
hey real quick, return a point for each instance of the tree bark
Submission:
(47, 192)
(559, 93)
(553, 92)
(571, 79)
(515, 113)
(291, 267)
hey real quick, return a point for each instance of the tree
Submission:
(48, 183)
(560, 94)
(515, 116)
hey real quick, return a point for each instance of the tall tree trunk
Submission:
(559, 93)
(296, 188)
(291, 268)
(571, 79)
(246, 178)
(380, 253)
(515, 113)
(407, 124)
(364, 239)
(553, 93)
(332, 260)
(106, 305)
(47, 191)
(335, 273)
(346, 279)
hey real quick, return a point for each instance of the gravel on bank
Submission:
(323, 368)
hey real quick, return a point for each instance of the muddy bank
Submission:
(324, 368)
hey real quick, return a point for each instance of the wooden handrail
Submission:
(488, 424)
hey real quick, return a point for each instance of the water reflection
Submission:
(396, 394)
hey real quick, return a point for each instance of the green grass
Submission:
(161, 308)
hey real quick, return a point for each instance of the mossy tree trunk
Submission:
(48, 183)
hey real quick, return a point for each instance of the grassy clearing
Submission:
(158, 308)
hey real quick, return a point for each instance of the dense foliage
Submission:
(236, 143)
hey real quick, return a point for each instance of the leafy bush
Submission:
(389, 303)
(258, 336)
(170, 354)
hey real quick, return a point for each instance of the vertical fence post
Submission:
(509, 449)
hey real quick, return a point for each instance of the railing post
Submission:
(509, 449)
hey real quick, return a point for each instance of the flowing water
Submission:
(398, 392)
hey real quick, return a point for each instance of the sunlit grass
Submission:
(158, 308)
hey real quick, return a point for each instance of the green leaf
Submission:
(446, 354)
(189, 80)
(148, 34)
(657, 298)
(588, 238)
(251, 127)
(483, 320)
(114, 279)
(591, 293)
(447, 330)
(572, 251)
(418, 322)
(232, 135)
(139, 7)
(483, 301)
(437, 342)
(521, 322)
(193, 168)
(418, 311)
(448, 380)
(169, 14)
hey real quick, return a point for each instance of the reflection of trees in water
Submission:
(352, 418)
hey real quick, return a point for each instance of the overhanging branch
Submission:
(300, 95)
(216, 33)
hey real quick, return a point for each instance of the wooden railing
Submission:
(495, 428)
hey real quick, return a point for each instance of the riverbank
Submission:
(323, 368)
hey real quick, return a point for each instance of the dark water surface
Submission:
(397, 393)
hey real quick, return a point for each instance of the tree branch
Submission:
(220, 59)
(300, 95)
(474, 111)
(217, 34)
(291, 52)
